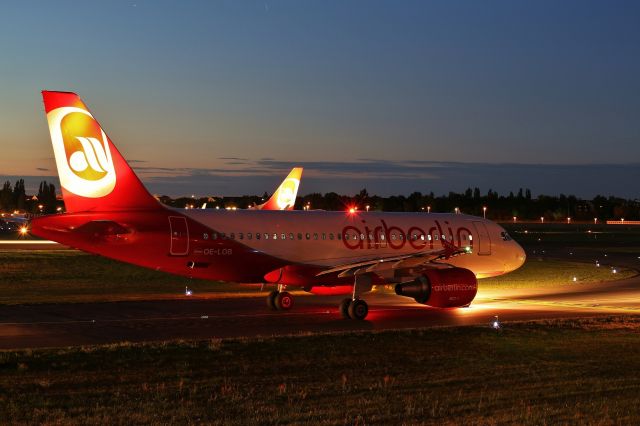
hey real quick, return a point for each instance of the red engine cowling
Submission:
(441, 288)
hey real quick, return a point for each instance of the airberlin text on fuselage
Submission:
(396, 238)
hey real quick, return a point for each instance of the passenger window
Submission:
(339, 236)
(382, 238)
(331, 235)
(257, 235)
(232, 236)
(266, 236)
(324, 236)
(291, 235)
(435, 237)
(223, 236)
(214, 236)
(249, 235)
(370, 237)
(422, 237)
(205, 236)
(308, 235)
(470, 237)
(429, 237)
(283, 236)
(240, 236)
(299, 235)
(362, 236)
(275, 236)
(393, 236)
(315, 235)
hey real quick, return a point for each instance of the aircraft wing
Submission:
(396, 262)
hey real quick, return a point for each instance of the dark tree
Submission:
(19, 195)
(6, 197)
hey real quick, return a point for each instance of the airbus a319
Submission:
(434, 258)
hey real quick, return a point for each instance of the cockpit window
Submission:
(505, 236)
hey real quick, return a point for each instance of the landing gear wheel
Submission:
(271, 300)
(344, 308)
(284, 301)
(358, 309)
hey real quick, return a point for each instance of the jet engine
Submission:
(441, 288)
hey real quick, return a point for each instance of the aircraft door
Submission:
(179, 236)
(483, 240)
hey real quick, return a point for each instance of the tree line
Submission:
(14, 198)
(472, 201)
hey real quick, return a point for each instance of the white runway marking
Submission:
(13, 242)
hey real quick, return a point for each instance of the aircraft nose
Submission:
(520, 255)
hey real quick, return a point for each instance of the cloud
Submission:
(233, 158)
(387, 177)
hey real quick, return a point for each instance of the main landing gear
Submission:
(350, 308)
(279, 300)
(353, 307)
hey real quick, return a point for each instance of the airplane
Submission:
(285, 196)
(434, 258)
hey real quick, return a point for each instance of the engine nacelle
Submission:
(441, 288)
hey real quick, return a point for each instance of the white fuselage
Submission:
(334, 238)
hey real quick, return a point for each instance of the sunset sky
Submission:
(224, 97)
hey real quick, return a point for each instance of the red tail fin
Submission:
(93, 174)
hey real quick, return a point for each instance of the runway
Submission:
(56, 325)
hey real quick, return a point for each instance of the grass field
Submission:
(71, 276)
(550, 273)
(572, 371)
(575, 235)
(553, 372)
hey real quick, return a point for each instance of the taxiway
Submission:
(55, 325)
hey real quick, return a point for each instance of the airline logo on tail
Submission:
(285, 196)
(287, 193)
(82, 152)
